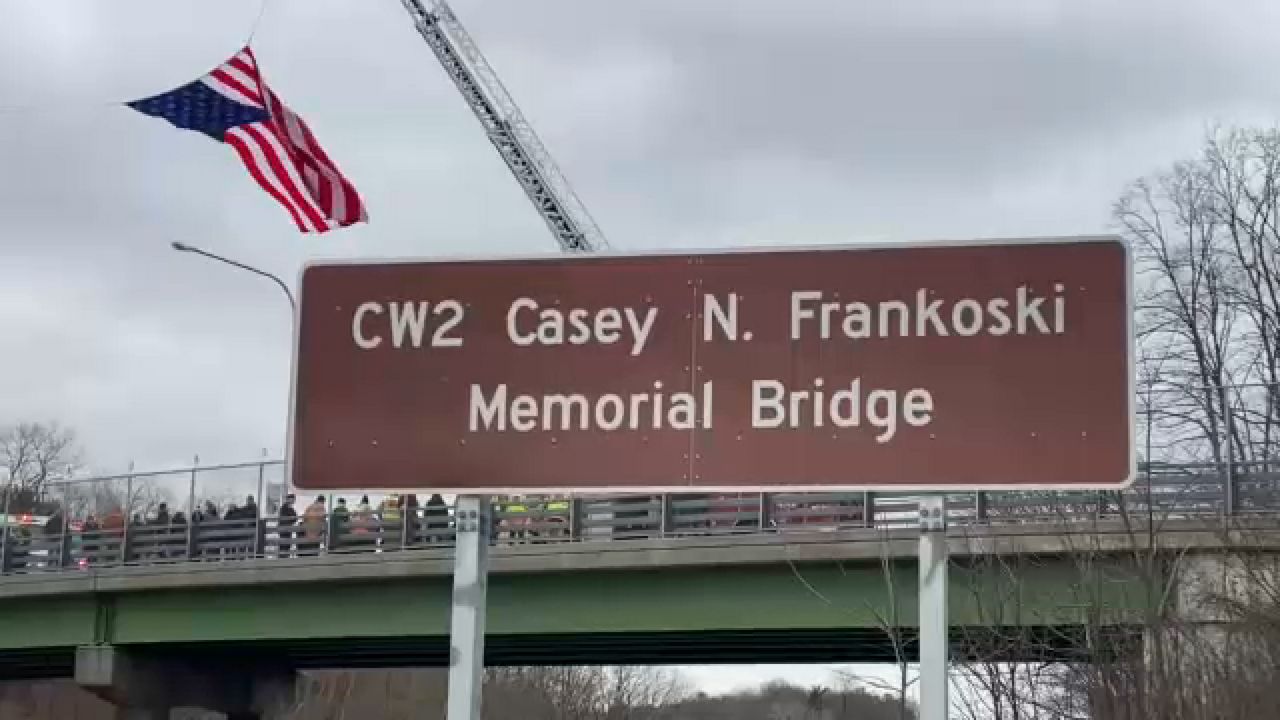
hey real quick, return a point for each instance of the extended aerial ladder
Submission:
(510, 133)
(574, 230)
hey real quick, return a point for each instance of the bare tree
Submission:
(34, 454)
(581, 692)
(139, 495)
(1166, 633)
(634, 692)
(1207, 249)
(1207, 254)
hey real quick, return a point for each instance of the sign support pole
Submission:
(934, 646)
(470, 587)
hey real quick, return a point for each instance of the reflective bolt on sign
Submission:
(969, 366)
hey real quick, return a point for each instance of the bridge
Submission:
(135, 611)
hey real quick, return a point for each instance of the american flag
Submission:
(233, 105)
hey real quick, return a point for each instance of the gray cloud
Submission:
(681, 124)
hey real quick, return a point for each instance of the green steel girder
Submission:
(1026, 592)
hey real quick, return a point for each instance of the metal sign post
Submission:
(466, 624)
(934, 646)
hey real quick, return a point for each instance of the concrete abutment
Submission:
(145, 687)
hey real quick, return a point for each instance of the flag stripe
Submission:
(226, 79)
(247, 81)
(337, 188)
(279, 121)
(310, 141)
(237, 139)
(307, 174)
(263, 155)
(325, 190)
(344, 187)
(340, 204)
(325, 176)
(347, 213)
(312, 179)
(292, 178)
(245, 65)
(283, 166)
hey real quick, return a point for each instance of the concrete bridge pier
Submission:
(148, 688)
(1218, 599)
(1217, 592)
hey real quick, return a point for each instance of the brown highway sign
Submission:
(948, 366)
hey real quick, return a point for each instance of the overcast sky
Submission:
(682, 123)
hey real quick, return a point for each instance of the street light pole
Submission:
(293, 320)
(183, 247)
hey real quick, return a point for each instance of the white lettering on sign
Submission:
(528, 323)
(357, 332)
(415, 324)
(812, 314)
(498, 410)
(774, 406)
(408, 319)
(713, 313)
(407, 323)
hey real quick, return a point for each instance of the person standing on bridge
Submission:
(362, 523)
(313, 522)
(338, 521)
(253, 520)
(113, 533)
(89, 535)
(157, 535)
(177, 535)
(437, 517)
(284, 526)
(244, 519)
(208, 517)
(409, 521)
(391, 522)
(55, 529)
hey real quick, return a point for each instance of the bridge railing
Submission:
(89, 530)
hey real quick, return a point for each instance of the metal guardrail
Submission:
(1161, 492)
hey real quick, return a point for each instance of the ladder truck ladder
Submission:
(510, 133)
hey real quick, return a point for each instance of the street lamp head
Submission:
(183, 247)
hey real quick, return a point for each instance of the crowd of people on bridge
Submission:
(241, 530)
(396, 520)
